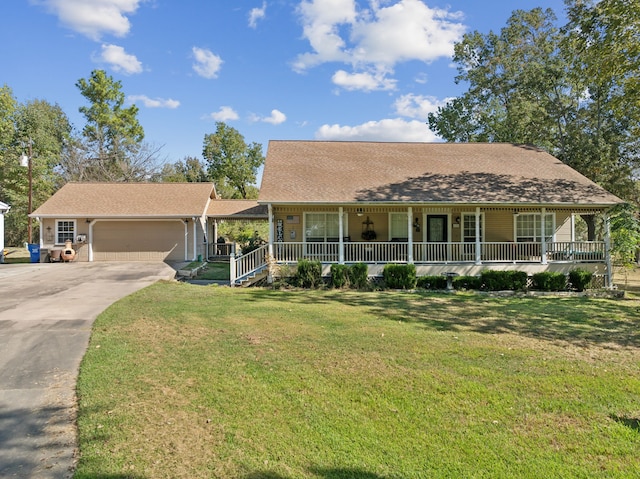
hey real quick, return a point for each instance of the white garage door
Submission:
(138, 241)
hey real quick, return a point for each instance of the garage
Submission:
(139, 240)
(127, 221)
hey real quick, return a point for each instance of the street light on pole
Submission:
(26, 161)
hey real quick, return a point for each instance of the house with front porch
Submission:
(445, 207)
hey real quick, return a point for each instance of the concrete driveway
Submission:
(46, 314)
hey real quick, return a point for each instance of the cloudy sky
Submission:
(272, 69)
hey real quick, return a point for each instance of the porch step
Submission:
(252, 278)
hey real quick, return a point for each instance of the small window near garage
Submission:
(65, 230)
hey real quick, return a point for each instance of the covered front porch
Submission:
(460, 239)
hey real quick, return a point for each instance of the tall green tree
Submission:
(188, 170)
(112, 139)
(37, 129)
(231, 163)
(531, 83)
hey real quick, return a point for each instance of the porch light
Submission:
(457, 220)
(416, 225)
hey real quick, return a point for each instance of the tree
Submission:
(231, 163)
(112, 147)
(189, 170)
(37, 128)
(530, 84)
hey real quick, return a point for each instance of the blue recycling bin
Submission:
(34, 253)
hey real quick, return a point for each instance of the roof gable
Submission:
(375, 172)
(121, 200)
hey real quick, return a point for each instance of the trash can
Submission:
(200, 258)
(34, 253)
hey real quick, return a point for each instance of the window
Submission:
(398, 228)
(529, 227)
(65, 230)
(322, 227)
(469, 227)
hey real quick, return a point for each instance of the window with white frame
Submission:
(529, 227)
(322, 226)
(398, 228)
(469, 227)
(65, 230)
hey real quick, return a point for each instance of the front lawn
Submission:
(184, 381)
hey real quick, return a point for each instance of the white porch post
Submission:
(195, 239)
(340, 235)
(186, 240)
(543, 236)
(573, 227)
(90, 245)
(232, 269)
(40, 239)
(607, 250)
(478, 237)
(271, 235)
(410, 235)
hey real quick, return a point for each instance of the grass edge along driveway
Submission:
(189, 381)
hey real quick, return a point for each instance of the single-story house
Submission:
(445, 207)
(138, 221)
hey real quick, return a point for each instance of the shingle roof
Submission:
(118, 200)
(374, 172)
(245, 209)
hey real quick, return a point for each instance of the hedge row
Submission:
(403, 276)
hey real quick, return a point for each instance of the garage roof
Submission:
(128, 200)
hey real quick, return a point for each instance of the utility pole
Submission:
(26, 161)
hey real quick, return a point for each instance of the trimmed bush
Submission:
(467, 282)
(549, 281)
(580, 278)
(308, 274)
(358, 274)
(339, 275)
(503, 280)
(399, 276)
(432, 282)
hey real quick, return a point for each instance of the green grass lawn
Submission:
(184, 381)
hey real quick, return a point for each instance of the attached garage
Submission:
(143, 240)
(128, 221)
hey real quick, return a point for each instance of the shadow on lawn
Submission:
(578, 320)
(324, 473)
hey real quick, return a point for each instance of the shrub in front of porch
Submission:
(339, 275)
(549, 281)
(358, 275)
(580, 278)
(467, 282)
(399, 276)
(493, 280)
(432, 282)
(308, 274)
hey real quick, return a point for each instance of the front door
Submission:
(437, 228)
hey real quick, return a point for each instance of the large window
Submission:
(399, 230)
(322, 227)
(65, 230)
(469, 227)
(529, 227)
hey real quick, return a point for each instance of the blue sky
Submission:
(272, 69)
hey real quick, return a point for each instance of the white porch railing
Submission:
(244, 266)
(433, 253)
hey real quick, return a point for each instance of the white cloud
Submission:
(276, 118)
(94, 18)
(418, 106)
(257, 14)
(392, 129)
(363, 81)
(154, 102)
(120, 60)
(225, 113)
(376, 38)
(207, 63)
